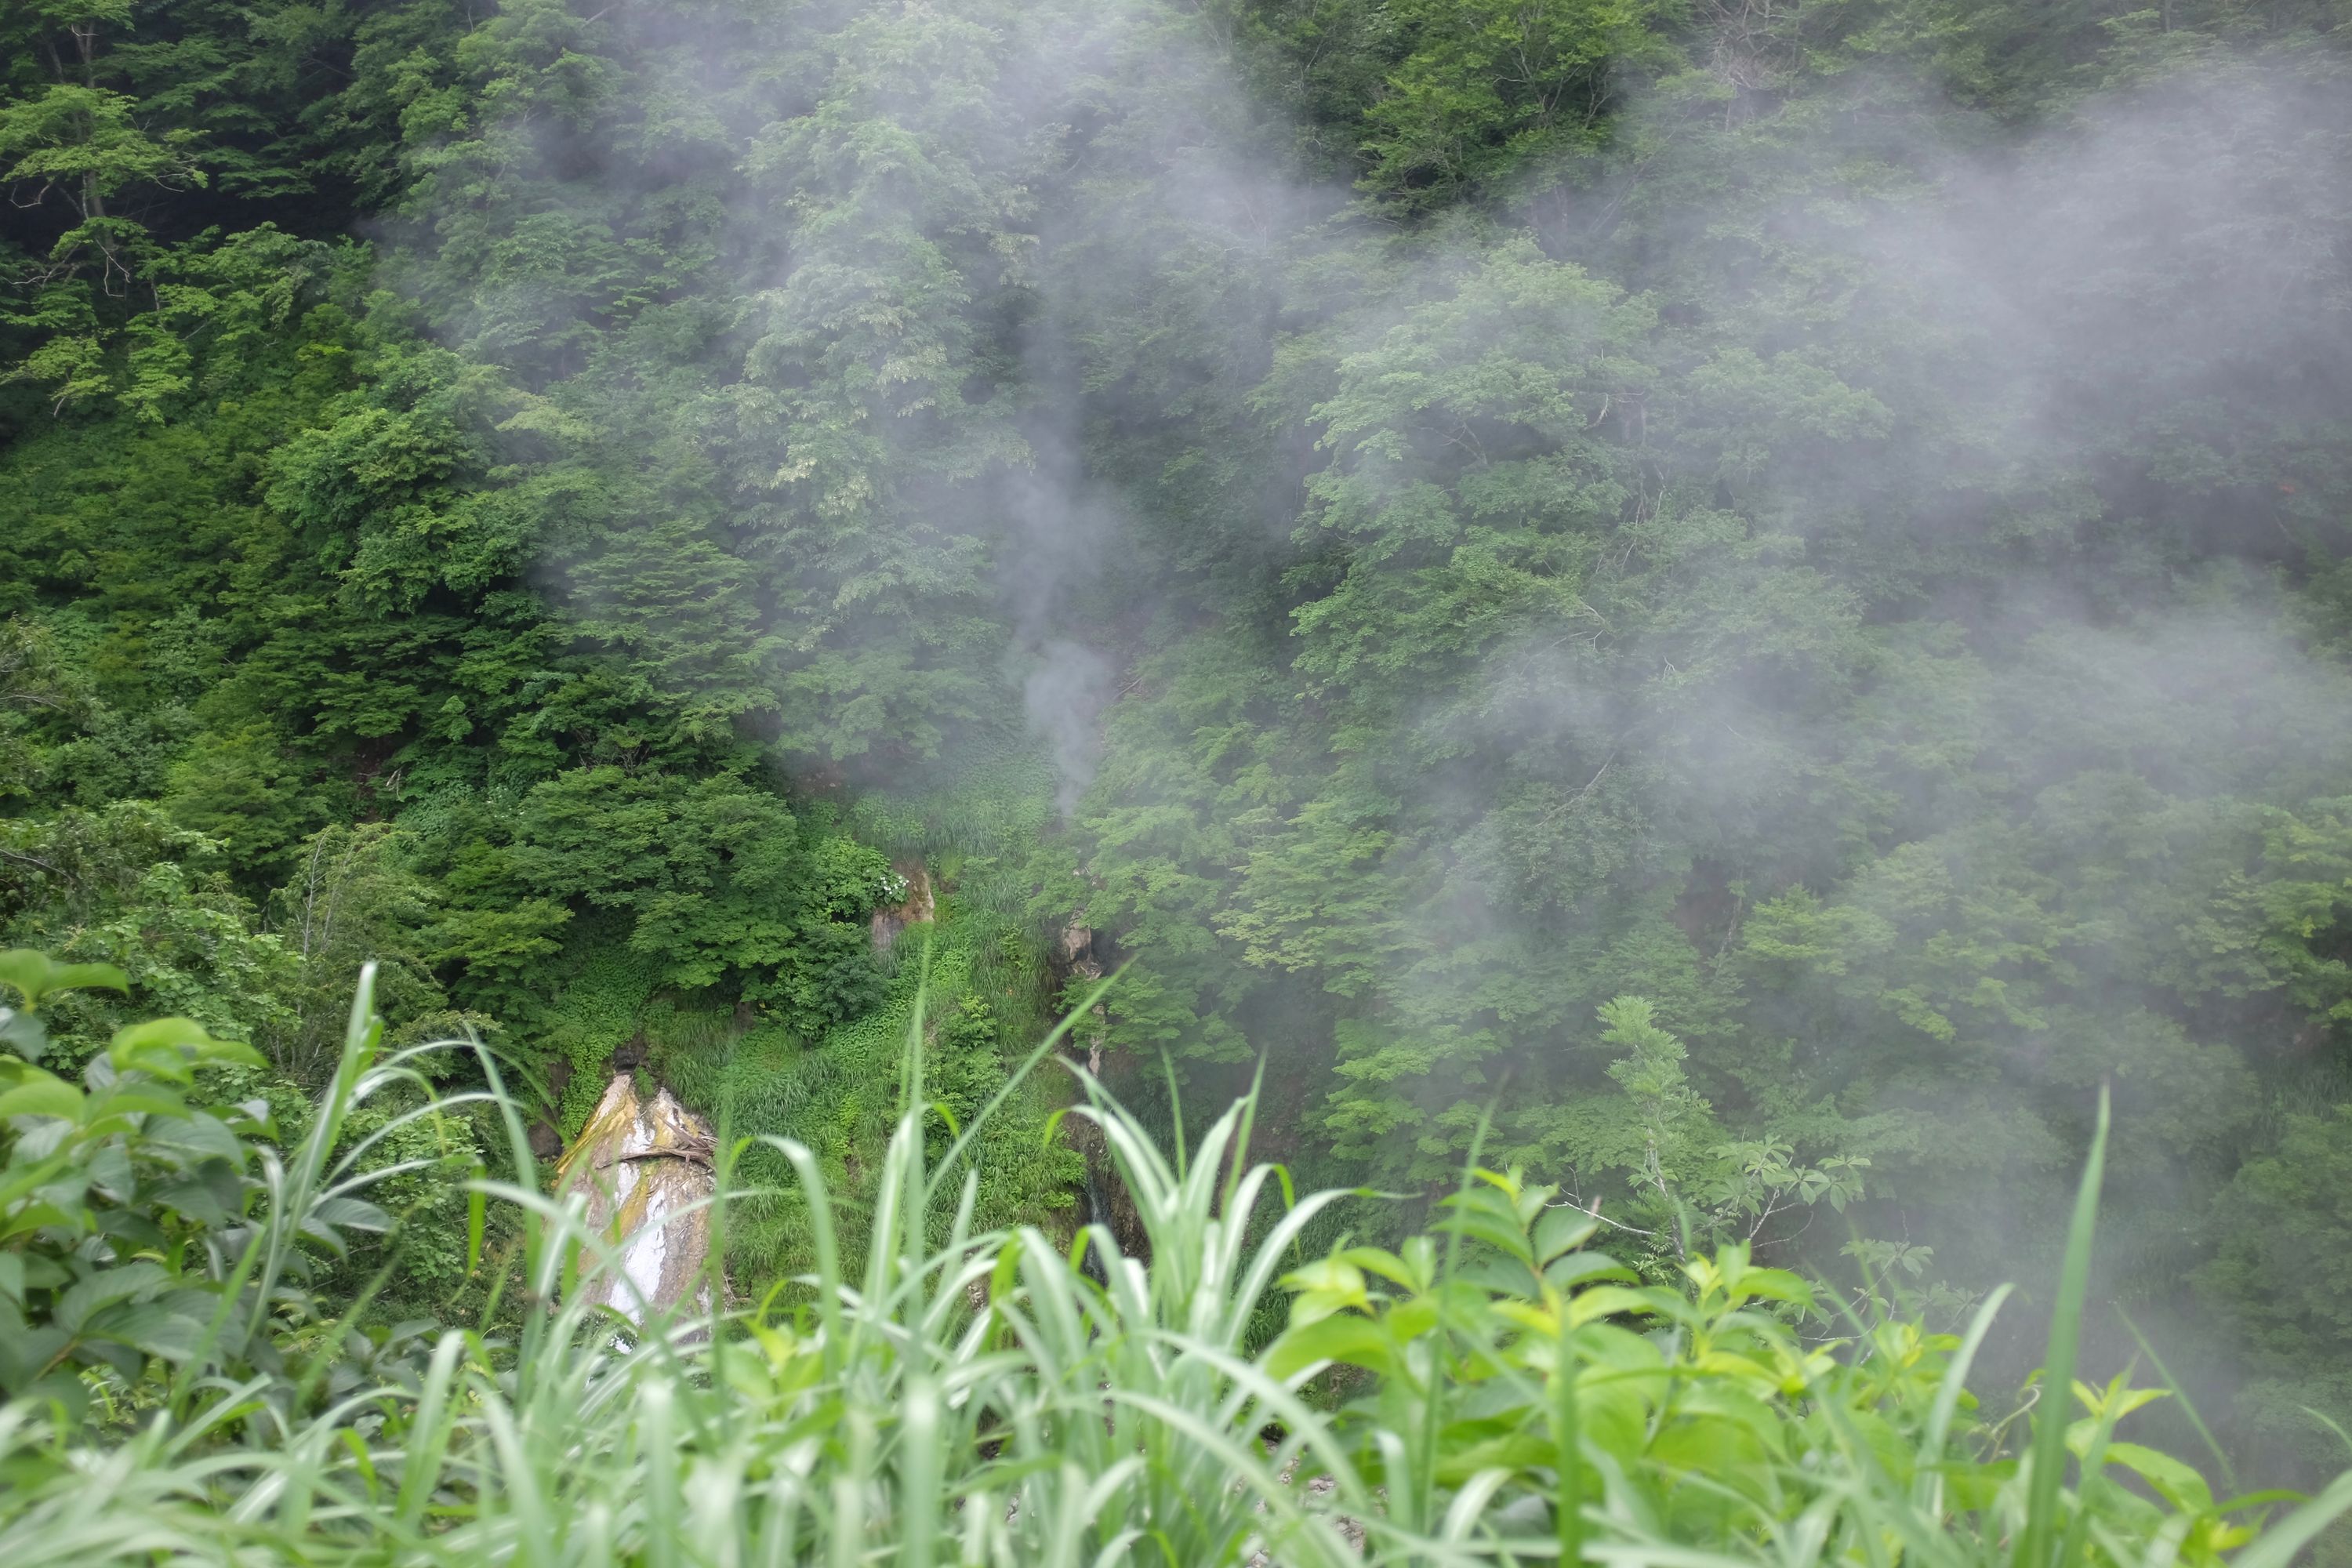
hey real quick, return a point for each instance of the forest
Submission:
(1736, 613)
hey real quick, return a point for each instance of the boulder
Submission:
(645, 1167)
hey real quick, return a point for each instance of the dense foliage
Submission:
(1742, 601)
(986, 1397)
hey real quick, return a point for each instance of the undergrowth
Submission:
(983, 1395)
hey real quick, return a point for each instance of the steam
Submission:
(1063, 697)
(1975, 347)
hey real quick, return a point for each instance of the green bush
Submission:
(156, 1239)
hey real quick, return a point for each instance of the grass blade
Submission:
(2036, 1539)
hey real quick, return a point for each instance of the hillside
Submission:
(1734, 605)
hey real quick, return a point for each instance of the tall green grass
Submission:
(1497, 1392)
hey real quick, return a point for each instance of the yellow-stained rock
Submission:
(645, 1167)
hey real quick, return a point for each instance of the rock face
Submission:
(918, 908)
(644, 1165)
(1076, 951)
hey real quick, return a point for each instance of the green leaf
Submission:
(24, 1356)
(2176, 1481)
(354, 1213)
(1562, 1230)
(1774, 1285)
(24, 1033)
(35, 974)
(476, 1215)
(110, 1284)
(170, 1048)
(173, 1329)
(1384, 1263)
(2036, 1541)
(199, 1136)
(1344, 1337)
(42, 1094)
(1581, 1267)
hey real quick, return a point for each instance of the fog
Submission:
(1873, 508)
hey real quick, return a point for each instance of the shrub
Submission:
(153, 1240)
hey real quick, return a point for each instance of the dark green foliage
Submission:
(839, 1093)
(1746, 602)
(2276, 1268)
